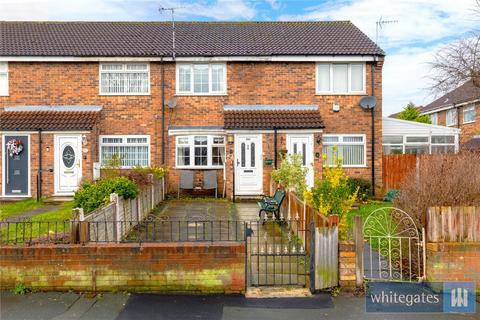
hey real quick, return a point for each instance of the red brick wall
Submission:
(248, 83)
(454, 261)
(468, 129)
(153, 267)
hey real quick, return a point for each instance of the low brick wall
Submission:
(454, 261)
(347, 265)
(157, 267)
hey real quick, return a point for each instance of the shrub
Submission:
(112, 169)
(91, 196)
(333, 194)
(441, 180)
(364, 187)
(141, 175)
(291, 173)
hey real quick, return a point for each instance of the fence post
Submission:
(359, 247)
(83, 232)
(312, 257)
(116, 215)
(163, 188)
(78, 216)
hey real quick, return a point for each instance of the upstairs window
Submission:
(201, 79)
(451, 117)
(3, 78)
(434, 118)
(340, 78)
(469, 114)
(124, 79)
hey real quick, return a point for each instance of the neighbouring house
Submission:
(459, 108)
(230, 97)
(410, 137)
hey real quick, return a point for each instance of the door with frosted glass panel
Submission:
(303, 145)
(248, 165)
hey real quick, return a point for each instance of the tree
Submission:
(457, 62)
(411, 113)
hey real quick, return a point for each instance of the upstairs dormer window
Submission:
(124, 79)
(201, 78)
(3, 78)
(340, 78)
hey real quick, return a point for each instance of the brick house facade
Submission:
(463, 108)
(195, 135)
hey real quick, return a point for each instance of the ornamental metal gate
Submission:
(276, 254)
(394, 249)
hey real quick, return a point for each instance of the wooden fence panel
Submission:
(326, 257)
(395, 167)
(453, 224)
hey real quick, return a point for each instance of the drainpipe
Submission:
(39, 171)
(163, 110)
(373, 126)
(275, 146)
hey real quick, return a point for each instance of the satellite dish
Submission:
(172, 103)
(368, 102)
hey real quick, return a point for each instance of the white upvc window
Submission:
(340, 78)
(451, 117)
(3, 78)
(392, 144)
(417, 144)
(404, 144)
(124, 79)
(132, 150)
(200, 151)
(434, 118)
(469, 114)
(351, 149)
(201, 79)
(442, 144)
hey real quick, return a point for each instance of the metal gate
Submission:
(394, 250)
(276, 254)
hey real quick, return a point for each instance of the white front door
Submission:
(68, 163)
(303, 144)
(248, 164)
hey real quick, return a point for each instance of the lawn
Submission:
(365, 209)
(50, 225)
(12, 208)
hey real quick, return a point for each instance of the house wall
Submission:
(199, 268)
(468, 129)
(77, 83)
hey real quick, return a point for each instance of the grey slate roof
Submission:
(464, 93)
(144, 39)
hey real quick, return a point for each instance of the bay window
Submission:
(201, 78)
(124, 79)
(340, 78)
(3, 78)
(207, 151)
(350, 149)
(132, 150)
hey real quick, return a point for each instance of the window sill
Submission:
(124, 94)
(199, 168)
(468, 122)
(348, 167)
(200, 94)
(340, 93)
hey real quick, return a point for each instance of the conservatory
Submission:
(409, 137)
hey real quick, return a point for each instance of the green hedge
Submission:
(91, 196)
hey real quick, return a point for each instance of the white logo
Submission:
(459, 300)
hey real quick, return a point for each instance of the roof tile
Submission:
(48, 120)
(271, 119)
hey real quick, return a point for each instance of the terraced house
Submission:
(224, 96)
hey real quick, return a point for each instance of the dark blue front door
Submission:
(16, 165)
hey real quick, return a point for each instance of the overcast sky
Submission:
(423, 26)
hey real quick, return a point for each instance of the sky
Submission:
(420, 28)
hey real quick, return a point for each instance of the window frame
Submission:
(434, 115)
(430, 144)
(6, 72)
(123, 143)
(124, 70)
(454, 144)
(340, 142)
(402, 144)
(468, 108)
(417, 144)
(192, 80)
(191, 144)
(349, 78)
(455, 122)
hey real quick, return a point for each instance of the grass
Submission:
(13, 208)
(364, 211)
(48, 224)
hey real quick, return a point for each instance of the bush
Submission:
(291, 173)
(333, 194)
(141, 175)
(442, 180)
(91, 196)
(364, 187)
